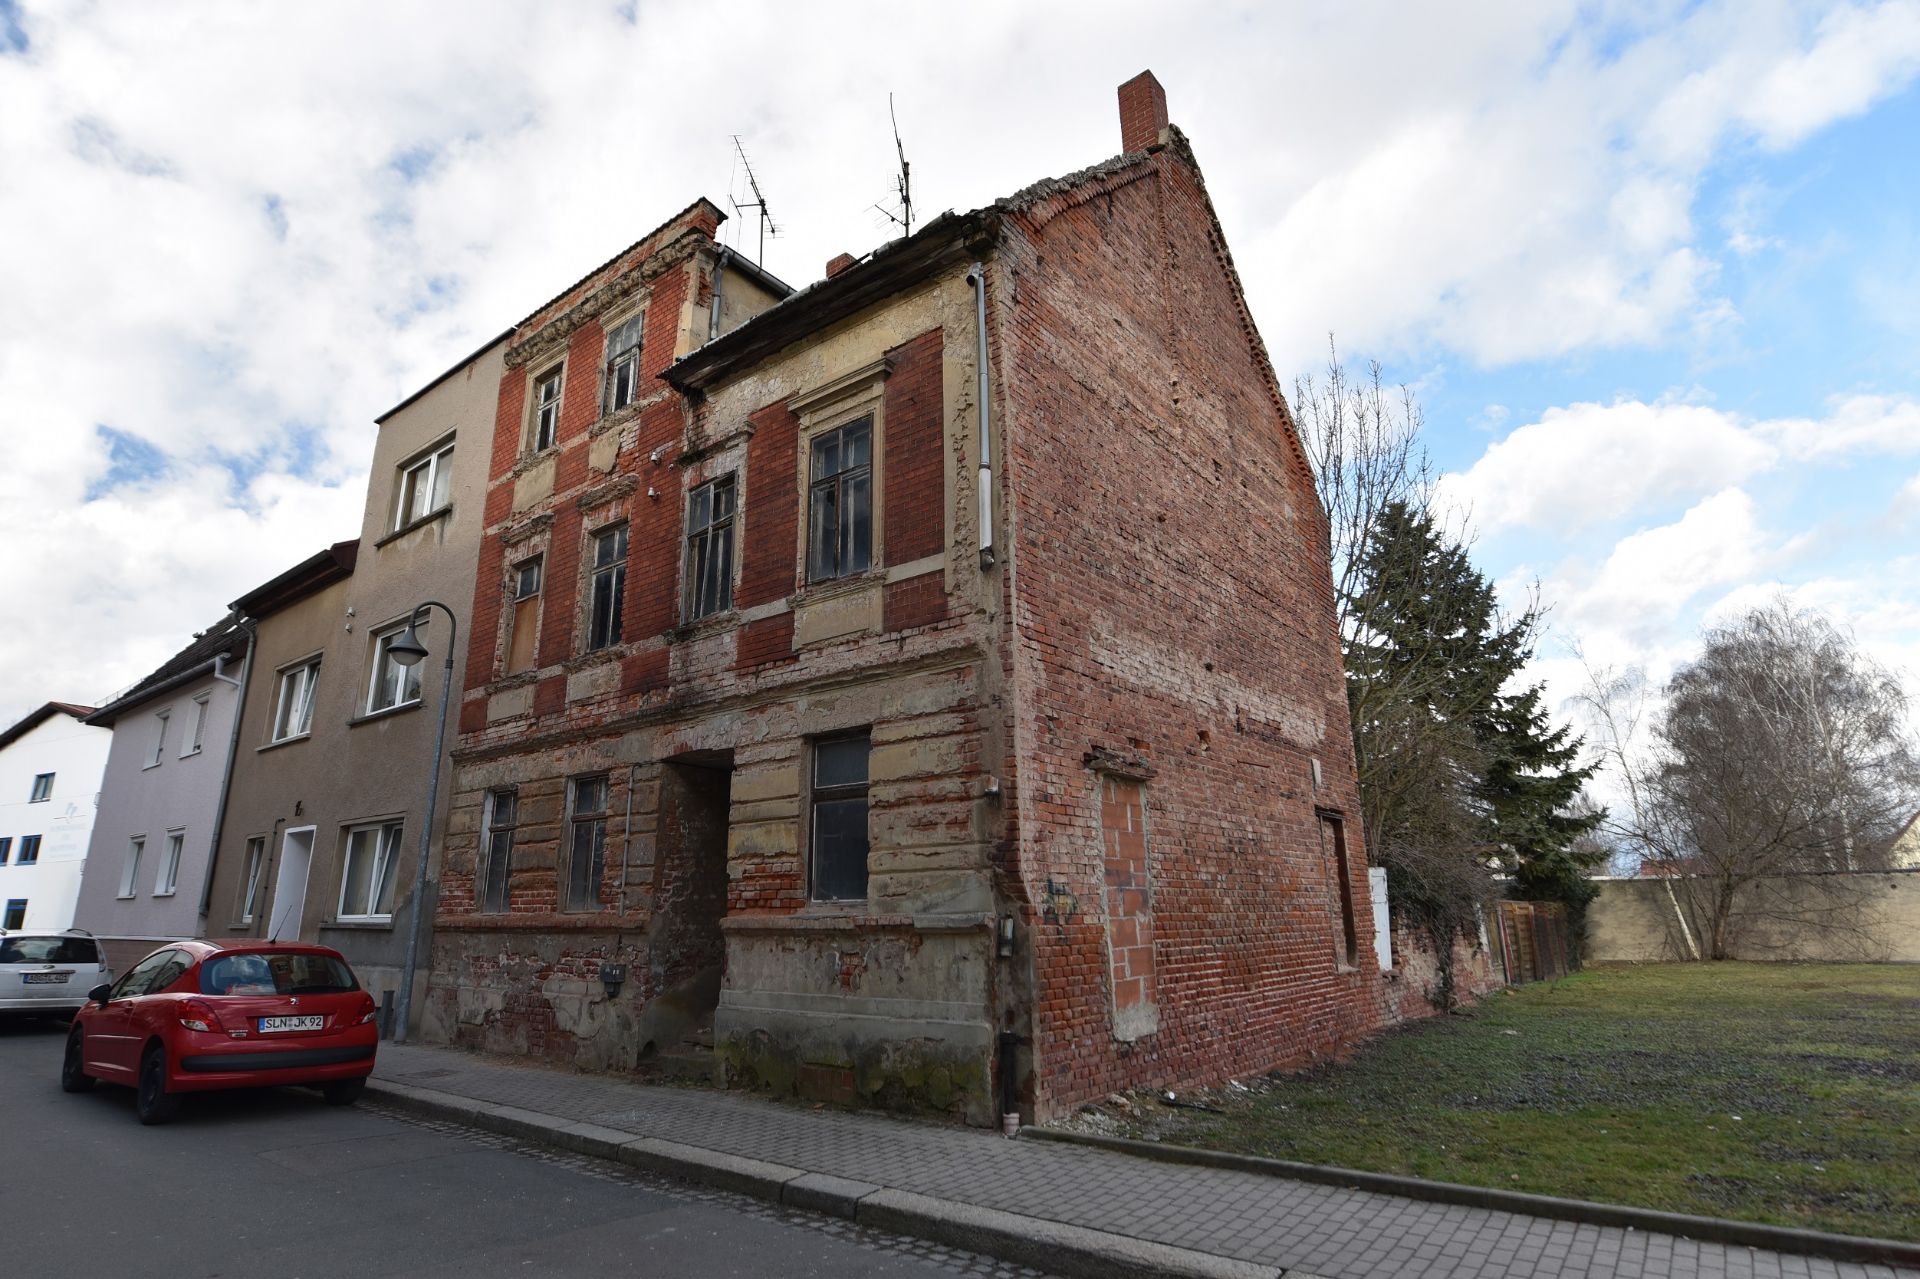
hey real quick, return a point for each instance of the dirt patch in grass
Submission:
(1782, 1093)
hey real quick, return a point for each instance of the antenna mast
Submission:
(903, 184)
(758, 203)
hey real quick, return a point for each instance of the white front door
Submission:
(290, 885)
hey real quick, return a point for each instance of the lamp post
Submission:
(407, 650)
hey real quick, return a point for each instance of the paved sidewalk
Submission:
(905, 1171)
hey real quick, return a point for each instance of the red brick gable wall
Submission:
(915, 512)
(1173, 603)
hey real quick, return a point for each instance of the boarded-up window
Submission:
(526, 616)
(1123, 831)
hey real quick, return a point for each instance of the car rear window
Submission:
(275, 972)
(48, 950)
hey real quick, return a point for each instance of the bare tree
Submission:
(1782, 751)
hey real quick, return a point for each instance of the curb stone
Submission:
(1748, 1234)
(1053, 1246)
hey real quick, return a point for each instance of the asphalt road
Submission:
(275, 1183)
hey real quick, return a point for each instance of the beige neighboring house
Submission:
(336, 741)
(1904, 852)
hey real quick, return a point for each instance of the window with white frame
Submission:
(710, 511)
(426, 486)
(160, 720)
(130, 872)
(196, 725)
(250, 890)
(168, 879)
(293, 709)
(545, 428)
(623, 363)
(366, 881)
(42, 788)
(392, 684)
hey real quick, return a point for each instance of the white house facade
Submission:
(51, 764)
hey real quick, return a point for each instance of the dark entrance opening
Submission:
(688, 950)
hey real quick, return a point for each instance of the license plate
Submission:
(270, 1024)
(51, 979)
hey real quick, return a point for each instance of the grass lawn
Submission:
(1783, 1093)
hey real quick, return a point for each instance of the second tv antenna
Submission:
(758, 204)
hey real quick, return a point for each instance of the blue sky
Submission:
(1652, 268)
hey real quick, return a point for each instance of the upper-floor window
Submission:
(587, 842)
(608, 593)
(623, 363)
(710, 548)
(29, 850)
(42, 788)
(840, 502)
(293, 711)
(546, 410)
(6, 848)
(392, 684)
(160, 721)
(524, 637)
(839, 804)
(366, 881)
(196, 724)
(426, 486)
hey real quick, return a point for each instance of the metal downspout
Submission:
(226, 778)
(713, 311)
(977, 277)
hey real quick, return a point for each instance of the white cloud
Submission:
(1586, 463)
(1590, 462)
(248, 234)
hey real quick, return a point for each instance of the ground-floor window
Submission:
(496, 851)
(15, 915)
(587, 842)
(367, 879)
(839, 807)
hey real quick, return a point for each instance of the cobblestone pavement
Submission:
(1323, 1230)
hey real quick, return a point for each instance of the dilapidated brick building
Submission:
(922, 687)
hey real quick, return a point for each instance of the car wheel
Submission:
(343, 1092)
(151, 1101)
(73, 1073)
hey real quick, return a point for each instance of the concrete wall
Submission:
(1846, 917)
(360, 767)
(138, 799)
(76, 754)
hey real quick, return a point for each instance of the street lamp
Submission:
(408, 650)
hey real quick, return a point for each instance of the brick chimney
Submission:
(841, 264)
(1143, 112)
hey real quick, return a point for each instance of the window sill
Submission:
(155, 764)
(169, 893)
(852, 584)
(532, 458)
(43, 799)
(123, 897)
(375, 923)
(384, 713)
(712, 624)
(429, 518)
(190, 754)
(285, 741)
(821, 917)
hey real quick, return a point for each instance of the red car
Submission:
(198, 1016)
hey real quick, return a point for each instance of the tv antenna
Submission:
(758, 204)
(903, 184)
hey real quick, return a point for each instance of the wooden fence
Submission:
(1532, 941)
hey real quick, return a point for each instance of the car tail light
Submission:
(369, 1012)
(197, 1014)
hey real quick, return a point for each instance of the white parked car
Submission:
(49, 974)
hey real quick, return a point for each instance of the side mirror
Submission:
(99, 993)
